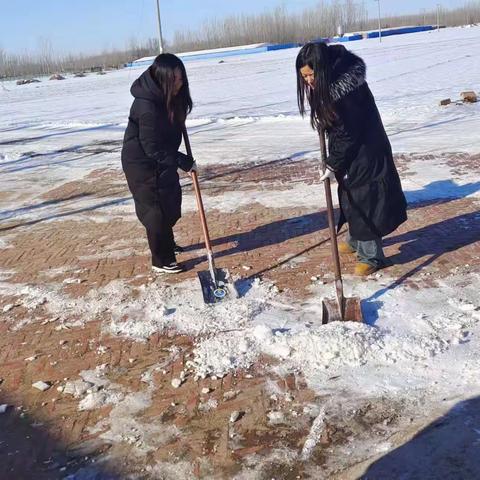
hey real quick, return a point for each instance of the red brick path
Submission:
(42, 432)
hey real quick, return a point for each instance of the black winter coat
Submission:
(150, 156)
(370, 193)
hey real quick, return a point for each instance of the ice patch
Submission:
(122, 426)
(101, 392)
(314, 435)
(4, 243)
(181, 470)
(125, 428)
(254, 466)
(301, 195)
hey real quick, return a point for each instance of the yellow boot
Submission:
(344, 248)
(364, 269)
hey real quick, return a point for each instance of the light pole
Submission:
(160, 41)
(379, 22)
(438, 17)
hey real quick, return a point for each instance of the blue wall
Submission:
(399, 31)
(268, 48)
(350, 38)
(226, 53)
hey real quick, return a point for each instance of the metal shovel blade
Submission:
(351, 307)
(223, 288)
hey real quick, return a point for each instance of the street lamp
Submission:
(438, 17)
(379, 22)
(160, 41)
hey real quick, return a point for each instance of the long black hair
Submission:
(163, 72)
(322, 108)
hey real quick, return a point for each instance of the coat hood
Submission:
(145, 87)
(349, 71)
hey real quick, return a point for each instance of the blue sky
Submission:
(93, 25)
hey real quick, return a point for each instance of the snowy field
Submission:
(245, 110)
(418, 346)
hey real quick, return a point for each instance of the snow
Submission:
(432, 325)
(40, 385)
(414, 344)
(313, 438)
(203, 52)
(43, 144)
(254, 469)
(121, 426)
(426, 327)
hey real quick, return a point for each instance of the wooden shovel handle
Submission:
(330, 216)
(198, 195)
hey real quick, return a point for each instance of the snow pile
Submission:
(68, 311)
(181, 308)
(233, 334)
(330, 346)
(139, 312)
(353, 344)
(225, 352)
(181, 470)
(424, 328)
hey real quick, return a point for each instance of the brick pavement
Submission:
(44, 431)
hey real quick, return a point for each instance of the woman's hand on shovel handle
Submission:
(327, 174)
(185, 162)
(193, 169)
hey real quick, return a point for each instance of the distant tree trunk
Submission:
(276, 26)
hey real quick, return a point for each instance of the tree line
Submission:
(276, 26)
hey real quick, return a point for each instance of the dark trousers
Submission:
(161, 243)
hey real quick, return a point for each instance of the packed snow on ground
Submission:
(53, 132)
(404, 328)
(416, 344)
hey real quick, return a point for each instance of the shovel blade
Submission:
(352, 308)
(222, 289)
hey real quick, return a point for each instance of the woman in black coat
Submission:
(371, 199)
(150, 156)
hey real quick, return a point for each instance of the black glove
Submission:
(185, 162)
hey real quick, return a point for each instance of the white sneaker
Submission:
(173, 267)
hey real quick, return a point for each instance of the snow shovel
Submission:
(342, 308)
(216, 282)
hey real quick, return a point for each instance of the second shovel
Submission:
(342, 308)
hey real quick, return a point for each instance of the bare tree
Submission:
(46, 55)
(276, 26)
(315, 22)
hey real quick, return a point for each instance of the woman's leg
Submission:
(371, 252)
(162, 244)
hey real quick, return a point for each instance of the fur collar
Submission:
(349, 72)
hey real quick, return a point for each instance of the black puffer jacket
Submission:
(370, 192)
(150, 156)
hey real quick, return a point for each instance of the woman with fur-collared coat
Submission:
(371, 199)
